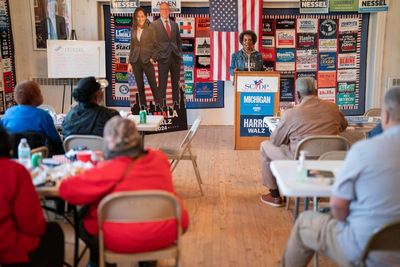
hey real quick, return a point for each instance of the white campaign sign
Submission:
(257, 84)
(75, 59)
(174, 5)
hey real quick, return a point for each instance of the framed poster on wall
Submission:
(51, 20)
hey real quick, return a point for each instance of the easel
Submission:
(71, 81)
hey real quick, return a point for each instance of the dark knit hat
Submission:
(85, 88)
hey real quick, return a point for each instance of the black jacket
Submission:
(87, 119)
(167, 46)
(145, 48)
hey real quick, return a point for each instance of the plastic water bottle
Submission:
(301, 168)
(24, 152)
(143, 116)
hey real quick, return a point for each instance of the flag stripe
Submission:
(225, 33)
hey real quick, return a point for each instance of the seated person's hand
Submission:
(153, 61)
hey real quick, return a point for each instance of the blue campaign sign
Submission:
(254, 125)
(257, 104)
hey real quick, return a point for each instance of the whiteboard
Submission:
(75, 59)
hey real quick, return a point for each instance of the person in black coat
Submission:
(142, 56)
(169, 51)
(88, 117)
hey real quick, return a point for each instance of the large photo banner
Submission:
(326, 47)
(7, 66)
(198, 90)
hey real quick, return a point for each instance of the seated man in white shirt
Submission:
(365, 197)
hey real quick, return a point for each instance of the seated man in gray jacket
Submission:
(364, 198)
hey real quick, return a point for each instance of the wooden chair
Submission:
(42, 149)
(373, 112)
(315, 146)
(91, 142)
(135, 207)
(185, 152)
(387, 238)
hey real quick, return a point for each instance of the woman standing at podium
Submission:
(143, 55)
(247, 59)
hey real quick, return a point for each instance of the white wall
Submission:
(87, 18)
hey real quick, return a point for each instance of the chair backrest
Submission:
(387, 238)
(334, 155)
(34, 139)
(317, 145)
(373, 112)
(191, 133)
(91, 142)
(138, 206)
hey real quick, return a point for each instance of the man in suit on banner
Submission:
(169, 51)
(53, 26)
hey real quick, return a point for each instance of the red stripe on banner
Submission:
(219, 60)
(243, 15)
(228, 55)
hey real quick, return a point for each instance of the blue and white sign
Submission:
(122, 35)
(257, 84)
(254, 125)
(188, 60)
(365, 6)
(257, 104)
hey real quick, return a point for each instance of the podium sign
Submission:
(256, 98)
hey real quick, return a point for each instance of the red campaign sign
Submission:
(268, 54)
(120, 67)
(8, 81)
(203, 75)
(202, 27)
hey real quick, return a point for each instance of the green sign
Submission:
(343, 5)
(346, 87)
(189, 88)
(346, 99)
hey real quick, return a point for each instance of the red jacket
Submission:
(150, 172)
(21, 218)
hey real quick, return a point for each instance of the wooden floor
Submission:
(229, 226)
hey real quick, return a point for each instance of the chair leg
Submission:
(287, 203)
(196, 170)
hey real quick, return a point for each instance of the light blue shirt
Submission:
(370, 179)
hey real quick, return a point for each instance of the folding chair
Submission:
(185, 152)
(387, 238)
(136, 207)
(42, 149)
(316, 146)
(91, 142)
(373, 112)
(334, 155)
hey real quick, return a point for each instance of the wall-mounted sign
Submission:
(365, 6)
(343, 5)
(124, 6)
(314, 6)
(174, 5)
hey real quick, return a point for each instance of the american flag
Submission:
(228, 19)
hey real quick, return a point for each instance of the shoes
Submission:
(272, 201)
(147, 263)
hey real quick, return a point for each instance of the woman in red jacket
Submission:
(128, 168)
(26, 239)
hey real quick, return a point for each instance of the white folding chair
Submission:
(185, 152)
(135, 207)
(91, 142)
(373, 112)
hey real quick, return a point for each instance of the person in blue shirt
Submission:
(246, 59)
(27, 117)
(364, 198)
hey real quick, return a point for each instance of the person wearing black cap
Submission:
(88, 117)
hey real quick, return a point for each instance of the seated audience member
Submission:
(88, 117)
(129, 167)
(365, 197)
(26, 239)
(27, 117)
(312, 116)
(376, 130)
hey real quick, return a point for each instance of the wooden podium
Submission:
(256, 97)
